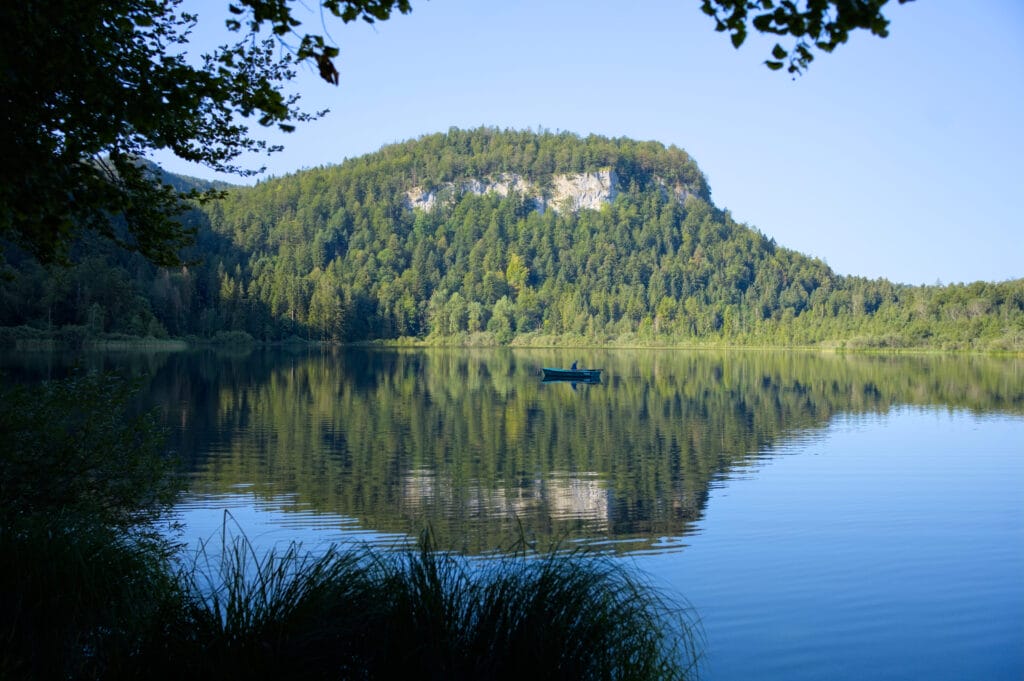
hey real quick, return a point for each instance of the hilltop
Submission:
(502, 236)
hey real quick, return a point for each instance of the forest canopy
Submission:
(460, 237)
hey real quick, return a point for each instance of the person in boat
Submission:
(573, 367)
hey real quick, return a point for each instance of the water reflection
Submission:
(473, 444)
(560, 496)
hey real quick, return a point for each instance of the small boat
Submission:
(584, 375)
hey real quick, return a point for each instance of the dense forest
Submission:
(497, 255)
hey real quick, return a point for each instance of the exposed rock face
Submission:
(588, 191)
(417, 197)
(503, 184)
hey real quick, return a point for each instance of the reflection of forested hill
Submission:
(503, 234)
(474, 443)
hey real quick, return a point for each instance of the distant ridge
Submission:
(491, 236)
(185, 183)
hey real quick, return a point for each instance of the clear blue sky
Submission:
(900, 158)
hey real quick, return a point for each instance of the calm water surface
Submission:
(827, 516)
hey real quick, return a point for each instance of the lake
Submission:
(826, 516)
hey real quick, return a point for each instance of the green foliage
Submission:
(72, 451)
(89, 88)
(821, 24)
(84, 579)
(344, 253)
(281, 615)
(232, 338)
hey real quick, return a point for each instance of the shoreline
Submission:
(50, 342)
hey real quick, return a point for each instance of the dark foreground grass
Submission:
(81, 603)
(423, 614)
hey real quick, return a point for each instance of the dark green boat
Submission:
(584, 375)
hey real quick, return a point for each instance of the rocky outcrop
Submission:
(503, 185)
(585, 190)
(581, 191)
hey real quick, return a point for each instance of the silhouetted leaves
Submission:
(825, 24)
(90, 88)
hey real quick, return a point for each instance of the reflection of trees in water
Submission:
(561, 496)
(471, 441)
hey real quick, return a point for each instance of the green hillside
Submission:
(470, 236)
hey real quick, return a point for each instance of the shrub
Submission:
(78, 599)
(70, 449)
(232, 338)
(83, 571)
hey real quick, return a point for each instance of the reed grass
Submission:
(425, 614)
(286, 614)
(84, 604)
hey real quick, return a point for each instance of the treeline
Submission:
(338, 254)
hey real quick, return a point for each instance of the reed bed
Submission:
(426, 614)
(82, 604)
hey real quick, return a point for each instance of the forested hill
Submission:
(496, 236)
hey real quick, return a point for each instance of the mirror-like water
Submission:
(828, 516)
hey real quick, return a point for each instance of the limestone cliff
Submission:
(572, 193)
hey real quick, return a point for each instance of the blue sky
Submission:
(900, 158)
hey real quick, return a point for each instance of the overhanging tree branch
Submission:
(820, 24)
